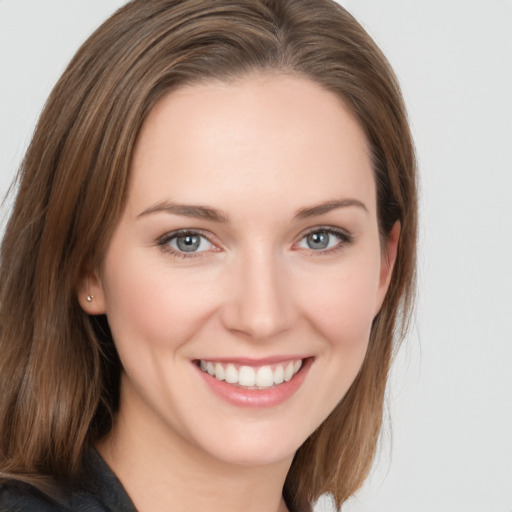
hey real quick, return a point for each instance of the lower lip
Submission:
(270, 397)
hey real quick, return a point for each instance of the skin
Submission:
(260, 150)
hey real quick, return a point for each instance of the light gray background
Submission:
(450, 398)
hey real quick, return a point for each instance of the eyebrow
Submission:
(328, 206)
(212, 214)
(188, 210)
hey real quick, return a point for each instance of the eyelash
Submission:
(344, 237)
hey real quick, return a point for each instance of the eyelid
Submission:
(327, 228)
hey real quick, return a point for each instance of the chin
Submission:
(254, 446)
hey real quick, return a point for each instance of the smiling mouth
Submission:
(251, 377)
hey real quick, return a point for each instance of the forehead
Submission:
(277, 137)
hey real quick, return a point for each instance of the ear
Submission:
(388, 258)
(91, 295)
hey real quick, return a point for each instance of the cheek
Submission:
(341, 304)
(148, 303)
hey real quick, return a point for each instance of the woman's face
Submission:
(248, 248)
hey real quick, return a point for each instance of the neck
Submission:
(161, 470)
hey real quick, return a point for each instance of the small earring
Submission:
(89, 298)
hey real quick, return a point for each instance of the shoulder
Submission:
(98, 491)
(22, 497)
(18, 496)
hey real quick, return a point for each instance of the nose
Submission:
(259, 302)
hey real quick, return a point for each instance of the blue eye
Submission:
(323, 240)
(186, 243)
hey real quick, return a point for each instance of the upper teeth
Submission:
(250, 376)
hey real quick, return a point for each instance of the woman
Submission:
(211, 252)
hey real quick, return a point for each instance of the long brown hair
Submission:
(59, 373)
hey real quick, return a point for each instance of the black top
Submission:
(102, 493)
